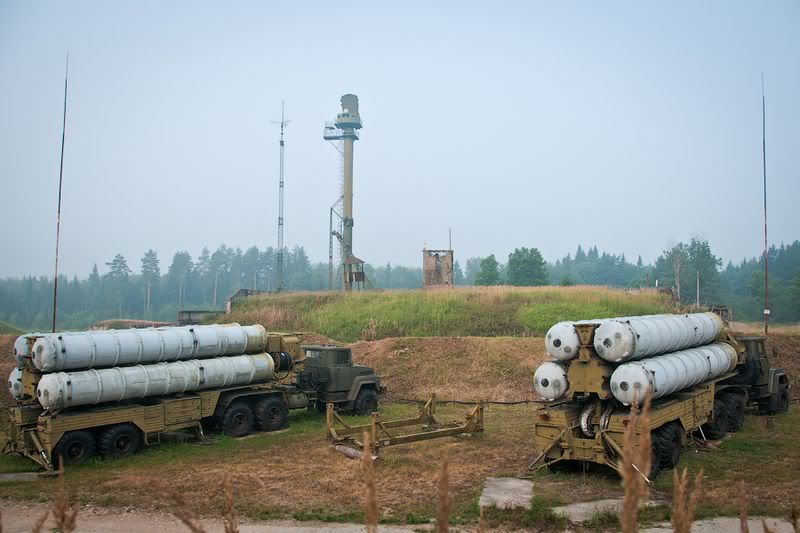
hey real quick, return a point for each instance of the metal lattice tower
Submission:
(283, 122)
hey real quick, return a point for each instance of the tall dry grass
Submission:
(635, 465)
(179, 505)
(684, 504)
(371, 500)
(443, 490)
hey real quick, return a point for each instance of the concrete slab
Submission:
(728, 524)
(20, 476)
(583, 511)
(506, 493)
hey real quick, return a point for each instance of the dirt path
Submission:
(19, 518)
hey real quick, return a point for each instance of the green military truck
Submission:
(309, 377)
(329, 376)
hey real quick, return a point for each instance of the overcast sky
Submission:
(622, 125)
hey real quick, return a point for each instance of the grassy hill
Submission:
(467, 311)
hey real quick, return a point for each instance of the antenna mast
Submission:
(60, 181)
(283, 123)
(766, 246)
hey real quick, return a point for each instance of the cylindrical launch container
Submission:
(97, 349)
(665, 374)
(550, 381)
(15, 383)
(562, 342)
(637, 337)
(89, 387)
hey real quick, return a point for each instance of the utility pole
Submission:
(283, 122)
(60, 181)
(766, 246)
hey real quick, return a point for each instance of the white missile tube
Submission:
(89, 387)
(15, 383)
(97, 349)
(637, 337)
(550, 381)
(665, 374)
(562, 342)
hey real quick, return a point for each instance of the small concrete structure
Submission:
(506, 493)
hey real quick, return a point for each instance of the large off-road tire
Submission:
(782, 403)
(716, 428)
(238, 419)
(669, 438)
(270, 413)
(122, 440)
(366, 402)
(735, 403)
(74, 447)
(655, 457)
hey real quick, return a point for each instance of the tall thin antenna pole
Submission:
(283, 122)
(60, 181)
(766, 245)
(450, 239)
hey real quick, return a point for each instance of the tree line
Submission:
(145, 290)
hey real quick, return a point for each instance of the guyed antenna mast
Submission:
(60, 181)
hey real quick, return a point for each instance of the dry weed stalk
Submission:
(39, 524)
(683, 505)
(481, 527)
(369, 484)
(795, 519)
(229, 515)
(635, 464)
(64, 518)
(180, 506)
(443, 515)
(765, 527)
(744, 527)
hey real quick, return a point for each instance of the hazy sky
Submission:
(545, 124)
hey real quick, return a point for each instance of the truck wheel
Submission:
(782, 405)
(735, 403)
(655, 457)
(237, 420)
(669, 441)
(716, 428)
(270, 413)
(366, 402)
(74, 447)
(119, 441)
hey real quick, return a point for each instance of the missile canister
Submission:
(97, 349)
(665, 374)
(637, 337)
(15, 383)
(550, 381)
(89, 387)
(562, 342)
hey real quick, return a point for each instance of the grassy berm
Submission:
(466, 311)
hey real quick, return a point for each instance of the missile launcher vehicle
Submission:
(701, 380)
(113, 392)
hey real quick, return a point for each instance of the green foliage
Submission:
(460, 312)
(539, 517)
(526, 268)
(489, 273)
(208, 281)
